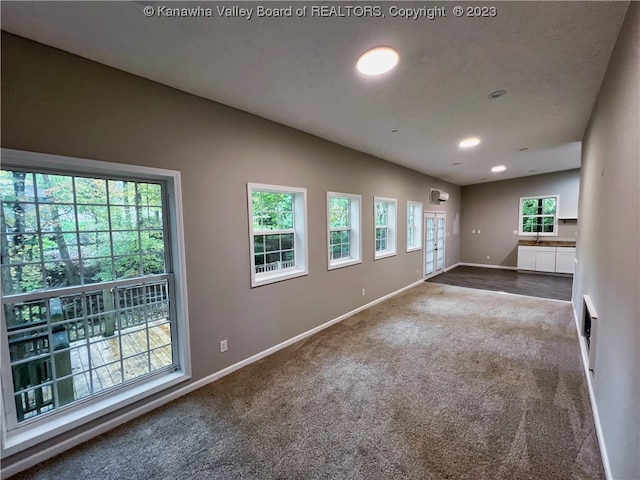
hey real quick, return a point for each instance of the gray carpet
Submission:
(441, 382)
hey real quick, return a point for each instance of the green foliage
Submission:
(272, 210)
(339, 212)
(62, 230)
(538, 214)
(381, 213)
(339, 244)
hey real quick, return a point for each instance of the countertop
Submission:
(547, 243)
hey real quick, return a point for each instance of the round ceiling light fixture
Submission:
(496, 94)
(377, 61)
(498, 169)
(469, 142)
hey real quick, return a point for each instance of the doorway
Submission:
(434, 234)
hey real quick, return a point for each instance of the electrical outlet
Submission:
(223, 345)
(473, 231)
(478, 230)
(363, 292)
(417, 271)
(515, 232)
(488, 257)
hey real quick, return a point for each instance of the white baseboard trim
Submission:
(594, 406)
(452, 267)
(483, 265)
(86, 435)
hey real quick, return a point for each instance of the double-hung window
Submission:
(414, 226)
(343, 219)
(278, 233)
(538, 216)
(92, 309)
(385, 226)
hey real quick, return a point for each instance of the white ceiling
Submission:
(550, 57)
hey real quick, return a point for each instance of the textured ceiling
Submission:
(300, 71)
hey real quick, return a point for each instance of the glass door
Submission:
(429, 244)
(434, 243)
(440, 243)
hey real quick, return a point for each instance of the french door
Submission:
(434, 234)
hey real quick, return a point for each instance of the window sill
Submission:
(381, 255)
(257, 280)
(534, 235)
(34, 433)
(414, 249)
(344, 263)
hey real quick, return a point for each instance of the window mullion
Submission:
(87, 338)
(36, 199)
(52, 358)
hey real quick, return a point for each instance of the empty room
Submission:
(320, 240)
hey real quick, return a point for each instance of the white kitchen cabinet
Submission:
(526, 258)
(546, 259)
(565, 259)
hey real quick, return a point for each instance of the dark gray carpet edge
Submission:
(440, 382)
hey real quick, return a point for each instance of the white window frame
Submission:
(18, 437)
(417, 226)
(301, 250)
(392, 227)
(522, 233)
(354, 228)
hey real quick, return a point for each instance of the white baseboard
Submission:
(482, 265)
(86, 435)
(452, 267)
(584, 354)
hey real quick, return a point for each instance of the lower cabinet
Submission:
(565, 259)
(546, 259)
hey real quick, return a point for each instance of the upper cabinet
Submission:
(568, 202)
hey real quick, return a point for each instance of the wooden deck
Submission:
(106, 367)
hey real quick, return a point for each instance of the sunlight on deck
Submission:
(106, 368)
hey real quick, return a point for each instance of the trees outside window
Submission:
(278, 240)
(538, 216)
(88, 290)
(385, 226)
(414, 226)
(344, 227)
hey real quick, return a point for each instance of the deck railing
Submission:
(272, 267)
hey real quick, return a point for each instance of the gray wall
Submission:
(608, 253)
(57, 103)
(493, 208)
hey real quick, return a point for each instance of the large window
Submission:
(385, 226)
(277, 221)
(343, 217)
(538, 216)
(414, 226)
(89, 295)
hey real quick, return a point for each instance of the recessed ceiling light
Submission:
(377, 61)
(469, 142)
(497, 94)
(457, 163)
(394, 130)
(498, 169)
